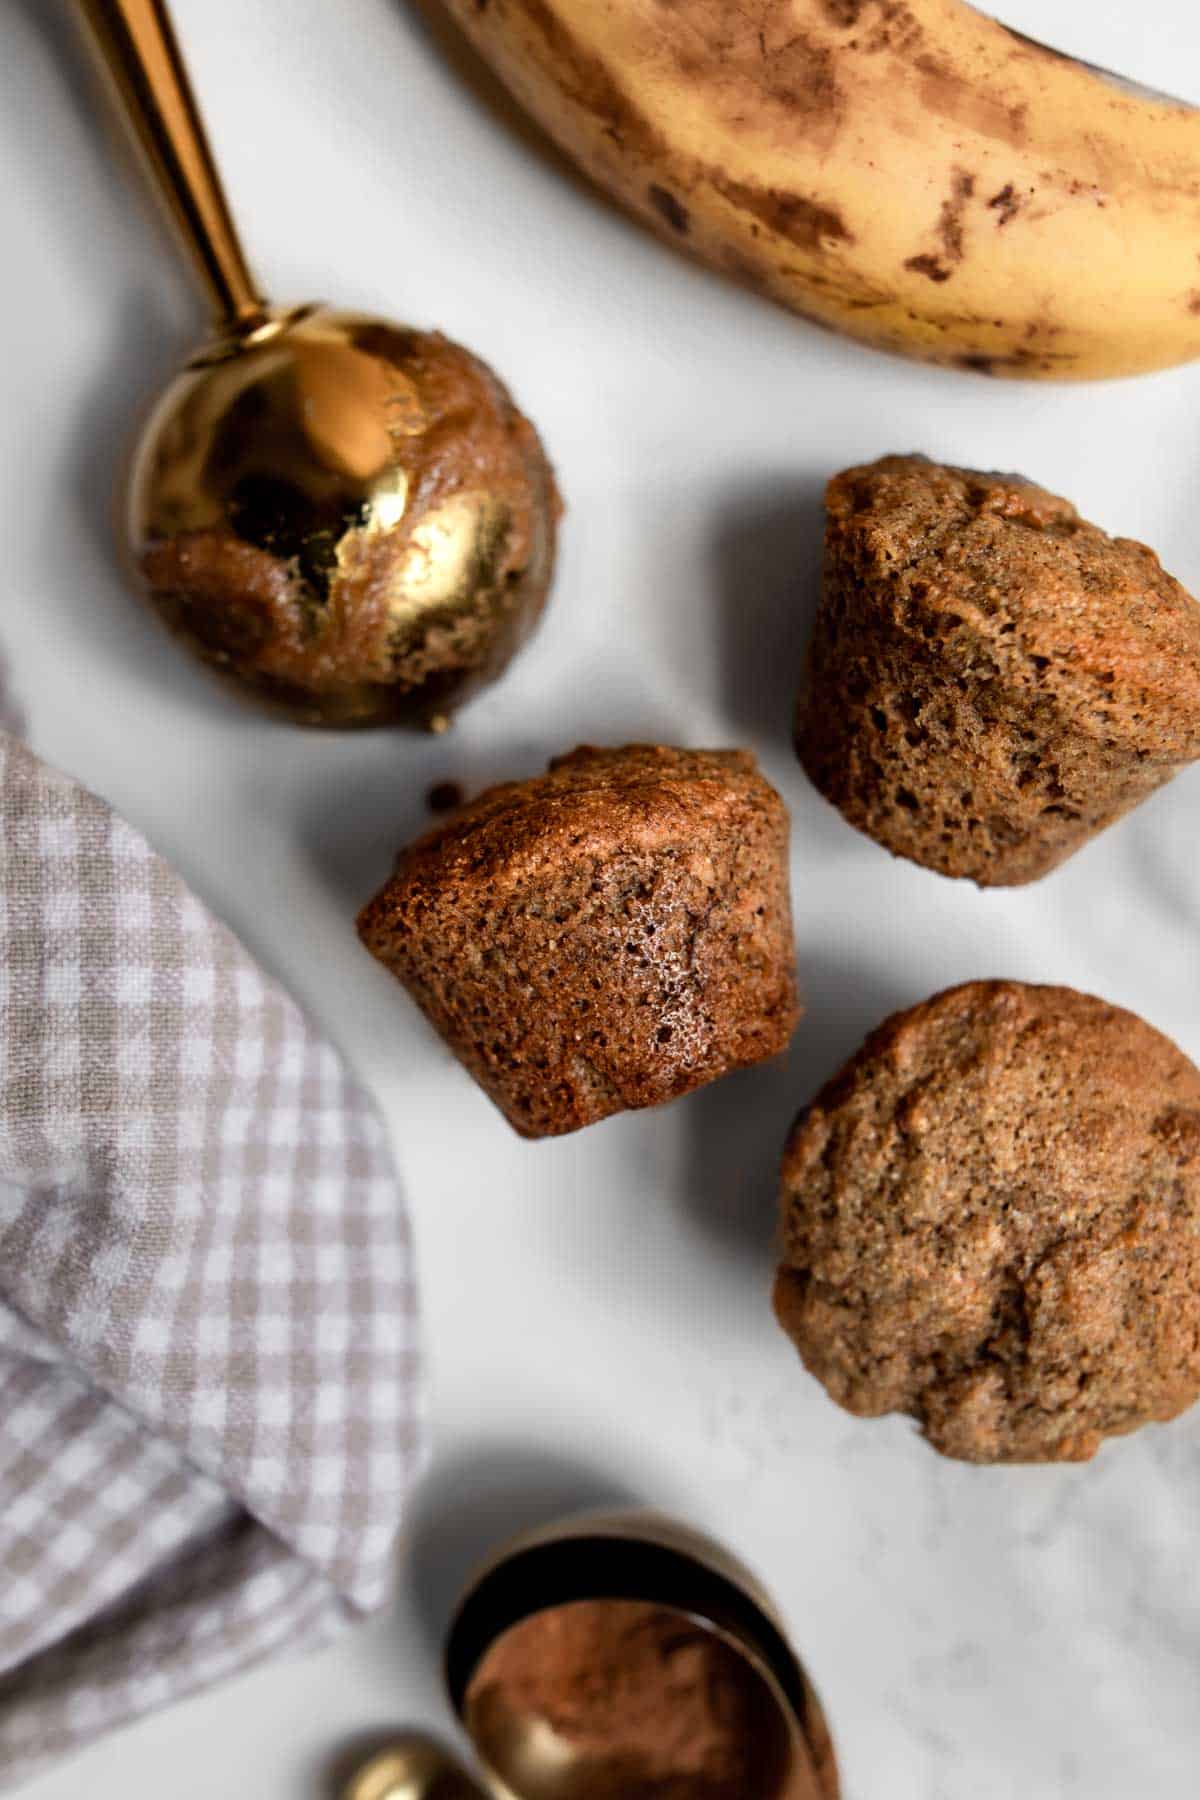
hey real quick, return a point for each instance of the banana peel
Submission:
(908, 172)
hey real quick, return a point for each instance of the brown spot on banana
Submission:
(1194, 303)
(930, 267)
(587, 82)
(949, 231)
(950, 222)
(895, 25)
(669, 207)
(793, 216)
(1005, 204)
(1015, 362)
(955, 96)
(750, 61)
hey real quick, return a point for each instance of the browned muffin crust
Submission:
(608, 935)
(991, 1221)
(991, 679)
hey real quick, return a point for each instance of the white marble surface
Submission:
(596, 1306)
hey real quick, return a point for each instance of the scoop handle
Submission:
(138, 51)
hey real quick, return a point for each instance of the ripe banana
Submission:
(907, 171)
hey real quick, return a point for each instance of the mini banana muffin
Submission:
(991, 1221)
(991, 680)
(608, 935)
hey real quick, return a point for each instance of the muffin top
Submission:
(991, 1221)
(1000, 572)
(640, 796)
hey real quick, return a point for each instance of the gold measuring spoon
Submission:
(347, 517)
(547, 1669)
(537, 1612)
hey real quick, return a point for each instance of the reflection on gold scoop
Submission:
(350, 518)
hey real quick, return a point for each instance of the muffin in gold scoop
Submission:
(356, 522)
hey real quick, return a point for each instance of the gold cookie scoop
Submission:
(347, 517)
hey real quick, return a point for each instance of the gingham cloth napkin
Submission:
(209, 1417)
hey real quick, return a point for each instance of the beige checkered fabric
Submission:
(209, 1418)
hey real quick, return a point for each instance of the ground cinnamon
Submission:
(659, 1708)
